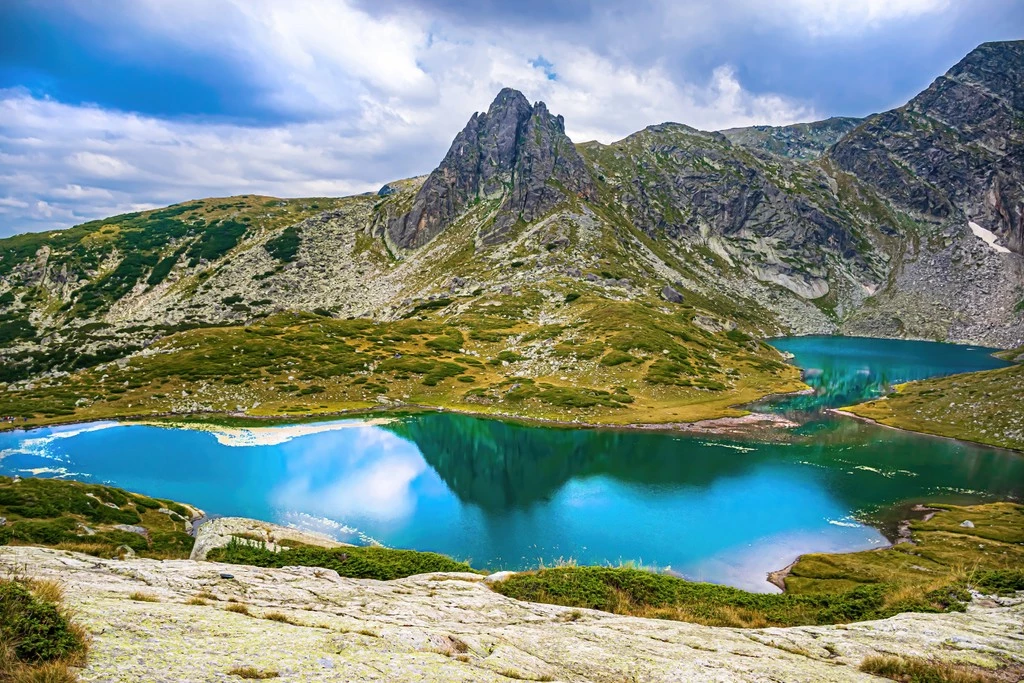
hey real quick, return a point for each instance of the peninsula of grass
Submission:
(984, 407)
(930, 574)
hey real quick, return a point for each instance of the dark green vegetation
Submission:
(285, 246)
(642, 593)
(931, 574)
(38, 640)
(980, 406)
(112, 259)
(364, 562)
(83, 517)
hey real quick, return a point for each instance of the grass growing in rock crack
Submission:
(139, 596)
(916, 670)
(38, 639)
(252, 673)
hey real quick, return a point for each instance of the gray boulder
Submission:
(670, 294)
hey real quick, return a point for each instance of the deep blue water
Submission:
(510, 496)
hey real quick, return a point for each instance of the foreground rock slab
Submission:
(309, 624)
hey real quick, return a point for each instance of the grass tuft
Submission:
(916, 670)
(252, 673)
(38, 640)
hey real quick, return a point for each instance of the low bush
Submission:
(38, 640)
(369, 562)
(642, 593)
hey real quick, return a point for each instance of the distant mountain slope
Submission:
(640, 269)
(798, 141)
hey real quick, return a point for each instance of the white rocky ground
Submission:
(453, 627)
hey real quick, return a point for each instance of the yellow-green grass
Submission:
(918, 670)
(984, 407)
(482, 360)
(941, 552)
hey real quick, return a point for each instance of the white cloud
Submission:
(828, 17)
(380, 97)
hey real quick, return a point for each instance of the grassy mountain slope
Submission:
(545, 279)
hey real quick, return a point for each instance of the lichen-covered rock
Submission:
(452, 627)
(217, 533)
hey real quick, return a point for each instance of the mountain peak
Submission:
(510, 153)
(508, 98)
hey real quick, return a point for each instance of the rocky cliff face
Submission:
(775, 220)
(514, 154)
(803, 141)
(956, 151)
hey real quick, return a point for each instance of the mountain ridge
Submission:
(620, 268)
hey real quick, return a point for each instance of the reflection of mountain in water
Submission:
(845, 370)
(500, 465)
(834, 387)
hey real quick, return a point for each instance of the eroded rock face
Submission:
(955, 150)
(453, 627)
(516, 153)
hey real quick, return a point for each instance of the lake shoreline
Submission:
(725, 425)
(867, 420)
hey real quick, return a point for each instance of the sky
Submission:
(108, 106)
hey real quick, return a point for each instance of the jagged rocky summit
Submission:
(907, 223)
(516, 153)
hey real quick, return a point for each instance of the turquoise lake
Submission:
(511, 496)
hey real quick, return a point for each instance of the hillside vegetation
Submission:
(91, 518)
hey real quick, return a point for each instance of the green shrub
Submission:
(1000, 581)
(644, 593)
(615, 357)
(38, 628)
(285, 246)
(364, 562)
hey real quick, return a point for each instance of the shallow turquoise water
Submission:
(847, 370)
(511, 496)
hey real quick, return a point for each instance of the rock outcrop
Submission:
(308, 624)
(514, 154)
(797, 141)
(956, 150)
(217, 533)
